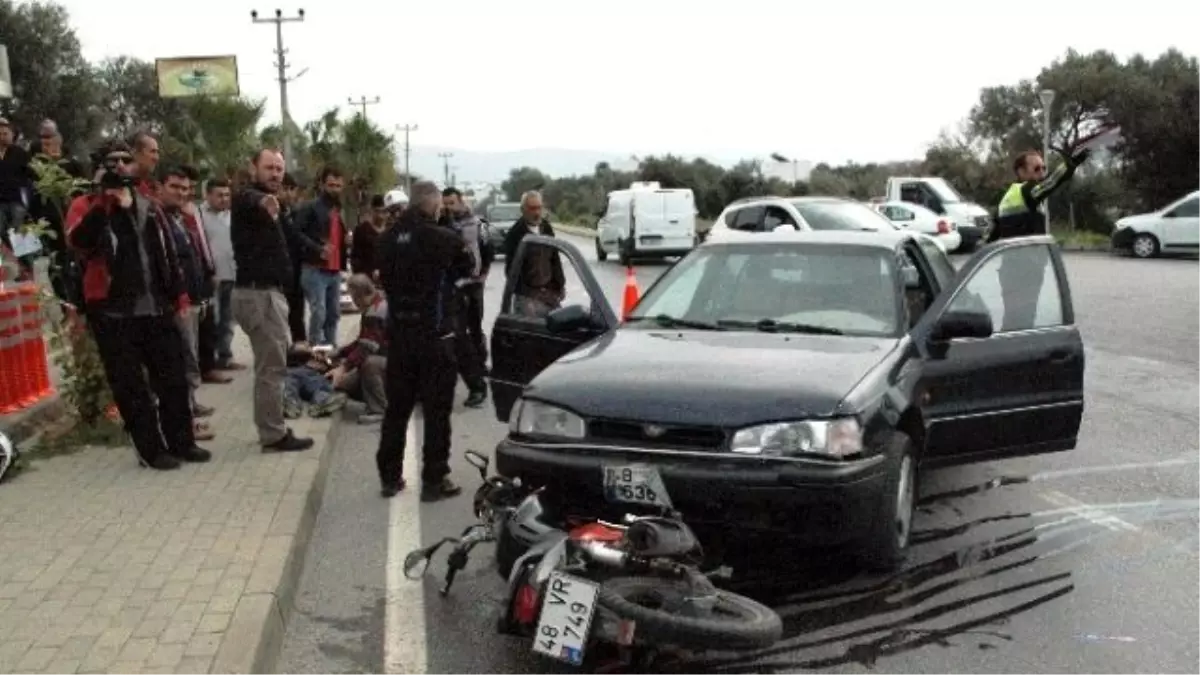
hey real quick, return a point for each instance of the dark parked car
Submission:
(501, 217)
(790, 383)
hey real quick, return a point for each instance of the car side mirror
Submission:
(962, 324)
(567, 319)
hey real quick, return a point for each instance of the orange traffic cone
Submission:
(631, 292)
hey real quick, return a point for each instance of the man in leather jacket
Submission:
(325, 251)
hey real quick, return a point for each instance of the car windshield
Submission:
(944, 190)
(814, 288)
(503, 213)
(840, 215)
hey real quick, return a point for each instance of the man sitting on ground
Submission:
(364, 362)
(308, 382)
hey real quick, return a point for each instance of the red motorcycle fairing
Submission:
(598, 532)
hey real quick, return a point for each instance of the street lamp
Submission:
(1047, 96)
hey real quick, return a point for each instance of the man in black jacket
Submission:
(132, 289)
(264, 273)
(324, 246)
(295, 295)
(419, 265)
(541, 284)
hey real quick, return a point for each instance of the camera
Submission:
(112, 177)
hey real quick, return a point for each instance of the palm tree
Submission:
(216, 134)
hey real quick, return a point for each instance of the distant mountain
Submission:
(469, 165)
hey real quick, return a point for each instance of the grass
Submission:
(1080, 238)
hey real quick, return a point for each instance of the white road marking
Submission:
(1135, 466)
(1088, 512)
(404, 644)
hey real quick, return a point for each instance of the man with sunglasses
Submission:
(1018, 216)
(132, 291)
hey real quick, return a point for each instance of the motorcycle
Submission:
(584, 583)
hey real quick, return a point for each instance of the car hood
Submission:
(1137, 220)
(727, 379)
(965, 210)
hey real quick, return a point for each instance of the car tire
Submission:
(623, 253)
(1145, 245)
(601, 254)
(886, 545)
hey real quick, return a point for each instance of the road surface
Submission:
(1077, 562)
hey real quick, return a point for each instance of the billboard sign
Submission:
(184, 76)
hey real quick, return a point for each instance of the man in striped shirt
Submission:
(364, 361)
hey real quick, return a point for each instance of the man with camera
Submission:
(132, 291)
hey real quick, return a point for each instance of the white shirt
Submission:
(216, 228)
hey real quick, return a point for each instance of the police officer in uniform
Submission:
(1022, 273)
(419, 264)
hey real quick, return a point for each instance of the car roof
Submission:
(777, 198)
(881, 239)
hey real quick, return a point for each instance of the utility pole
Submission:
(285, 117)
(407, 128)
(446, 166)
(1047, 97)
(362, 102)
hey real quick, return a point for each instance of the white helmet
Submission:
(394, 199)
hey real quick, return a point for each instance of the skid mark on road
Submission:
(404, 642)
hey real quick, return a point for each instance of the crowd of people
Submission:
(162, 281)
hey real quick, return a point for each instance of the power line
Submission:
(362, 102)
(285, 116)
(407, 128)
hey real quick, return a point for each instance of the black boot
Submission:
(443, 489)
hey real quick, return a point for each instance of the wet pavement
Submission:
(1075, 562)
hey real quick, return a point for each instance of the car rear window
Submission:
(839, 215)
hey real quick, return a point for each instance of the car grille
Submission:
(671, 436)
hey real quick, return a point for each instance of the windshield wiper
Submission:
(667, 321)
(773, 326)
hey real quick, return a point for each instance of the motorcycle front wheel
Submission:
(736, 622)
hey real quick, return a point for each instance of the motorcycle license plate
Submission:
(566, 620)
(635, 484)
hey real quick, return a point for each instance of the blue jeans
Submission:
(322, 290)
(306, 384)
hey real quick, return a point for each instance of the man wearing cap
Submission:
(16, 178)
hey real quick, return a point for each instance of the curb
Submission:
(254, 638)
(576, 230)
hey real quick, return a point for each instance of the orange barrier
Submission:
(631, 293)
(36, 357)
(10, 340)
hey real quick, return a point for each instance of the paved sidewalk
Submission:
(106, 567)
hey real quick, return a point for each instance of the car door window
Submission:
(1018, 288)
(943, 269)
(918, 297)
(1188, 209)
(900, 213)
(775, 216)
(749, 219)
(547, 279)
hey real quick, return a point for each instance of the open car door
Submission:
(1003, 360)
(552, 304)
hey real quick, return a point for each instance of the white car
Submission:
(917, 218)
(1173, 229)
(774, 214)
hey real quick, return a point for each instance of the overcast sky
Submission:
(851, 79)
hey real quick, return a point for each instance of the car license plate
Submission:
(635, 484)
(567, 609)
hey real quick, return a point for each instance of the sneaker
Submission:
(476, 398)
(292, 410)
(193, 454)
(201, 432)
(200, 410)
(391, 489)
(230, 365)
(289, 443)
(333, 403)
(370, 418)
(443, 489)
(215, 377)
(161, 462)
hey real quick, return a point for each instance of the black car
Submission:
(792, 382)
(501, 217)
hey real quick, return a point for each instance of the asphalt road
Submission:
(1076, 562)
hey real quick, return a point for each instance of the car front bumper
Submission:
(814, 502)
(1122, 239)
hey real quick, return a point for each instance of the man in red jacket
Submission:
(132, 288)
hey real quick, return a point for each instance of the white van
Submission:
(647, 221)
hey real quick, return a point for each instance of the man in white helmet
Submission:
(395, 201)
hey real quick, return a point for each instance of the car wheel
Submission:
(1145, 246)
(601, 254)
(887, 543)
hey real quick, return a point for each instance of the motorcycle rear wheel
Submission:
(736, 622)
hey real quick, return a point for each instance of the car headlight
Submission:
(534, 418)
(1120, 226)
(833, 438)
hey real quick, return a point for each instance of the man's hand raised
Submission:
(271, 204)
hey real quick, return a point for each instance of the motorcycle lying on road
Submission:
(635, 585)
